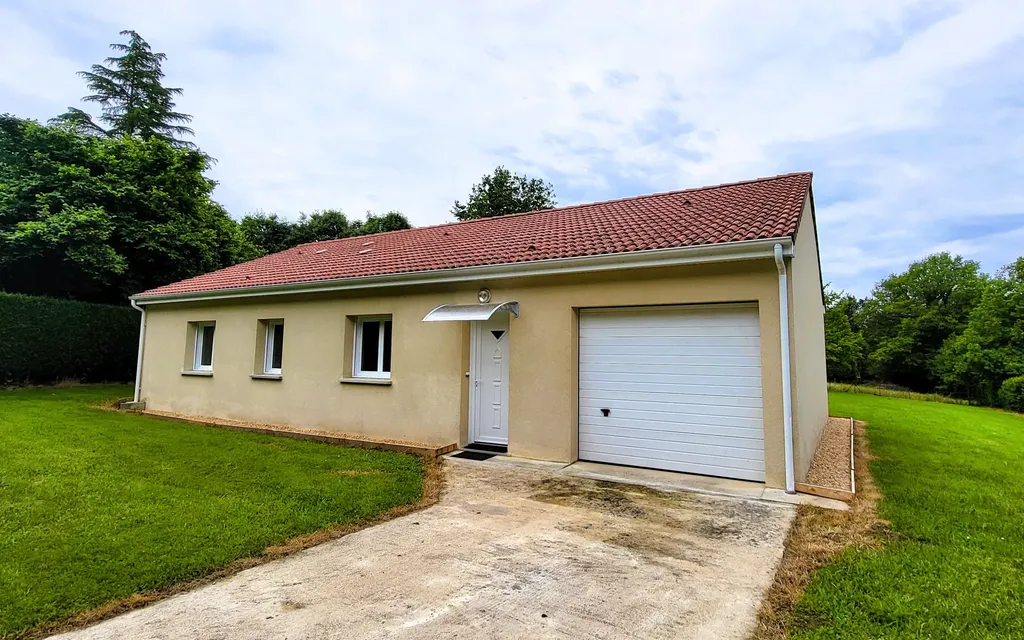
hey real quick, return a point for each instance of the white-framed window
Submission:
(274, 347)
(372, 353)
(202, 358)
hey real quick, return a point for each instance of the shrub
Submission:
(45, 340)
(1011, 394)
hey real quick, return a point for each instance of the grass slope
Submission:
(97, 505)
(952, 479)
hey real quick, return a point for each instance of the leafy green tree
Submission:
(909, 317)
(327, 224)
(390, 221)
(845, 347)
(75, 238)
(98, 219)
(976, 363)
(132, 97)
(503, 193)
(268, 232)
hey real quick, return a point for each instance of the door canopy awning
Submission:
(457, 312)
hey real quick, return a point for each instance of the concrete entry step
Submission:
(665, 480)
(669, 480)
(673, 481)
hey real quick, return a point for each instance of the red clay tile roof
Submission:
(763, 208)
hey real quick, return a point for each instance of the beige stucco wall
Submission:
(428, 398)
(807, 339)
(422, 403)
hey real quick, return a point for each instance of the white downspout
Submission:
(787, 381)
(142, 344)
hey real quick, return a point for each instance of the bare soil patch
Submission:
(680, 511)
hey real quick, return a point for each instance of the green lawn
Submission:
(952, 479)
(97, 505)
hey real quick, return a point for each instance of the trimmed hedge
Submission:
(1011, 394)
(46, 340)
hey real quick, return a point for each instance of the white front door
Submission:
(488, 410)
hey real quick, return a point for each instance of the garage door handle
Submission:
(605, 412)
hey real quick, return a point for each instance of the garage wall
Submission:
(544, 339)
(428, 398)
(807, 326)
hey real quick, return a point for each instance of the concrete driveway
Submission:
(509, 552)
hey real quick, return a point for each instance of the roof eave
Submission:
(699, 254)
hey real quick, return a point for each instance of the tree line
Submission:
(97, 209)
(940, 326)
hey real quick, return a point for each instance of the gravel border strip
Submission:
(833, 461)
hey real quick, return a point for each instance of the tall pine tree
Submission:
(131, 96)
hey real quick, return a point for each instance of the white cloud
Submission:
(366, 105)
(31, 68)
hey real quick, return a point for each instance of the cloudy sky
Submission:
(909, 113)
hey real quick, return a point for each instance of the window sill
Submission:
(200, 374)
(384, 382)
(267, 376)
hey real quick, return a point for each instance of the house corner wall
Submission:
(807, 343)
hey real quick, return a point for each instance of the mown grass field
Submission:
(952, 479)
(96, 505)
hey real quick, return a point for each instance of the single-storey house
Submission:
(680, 331)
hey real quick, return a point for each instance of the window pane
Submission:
(370, 343)
(206, 357)
(387, 346)
(278, 346)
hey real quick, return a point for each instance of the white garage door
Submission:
(676, 388)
